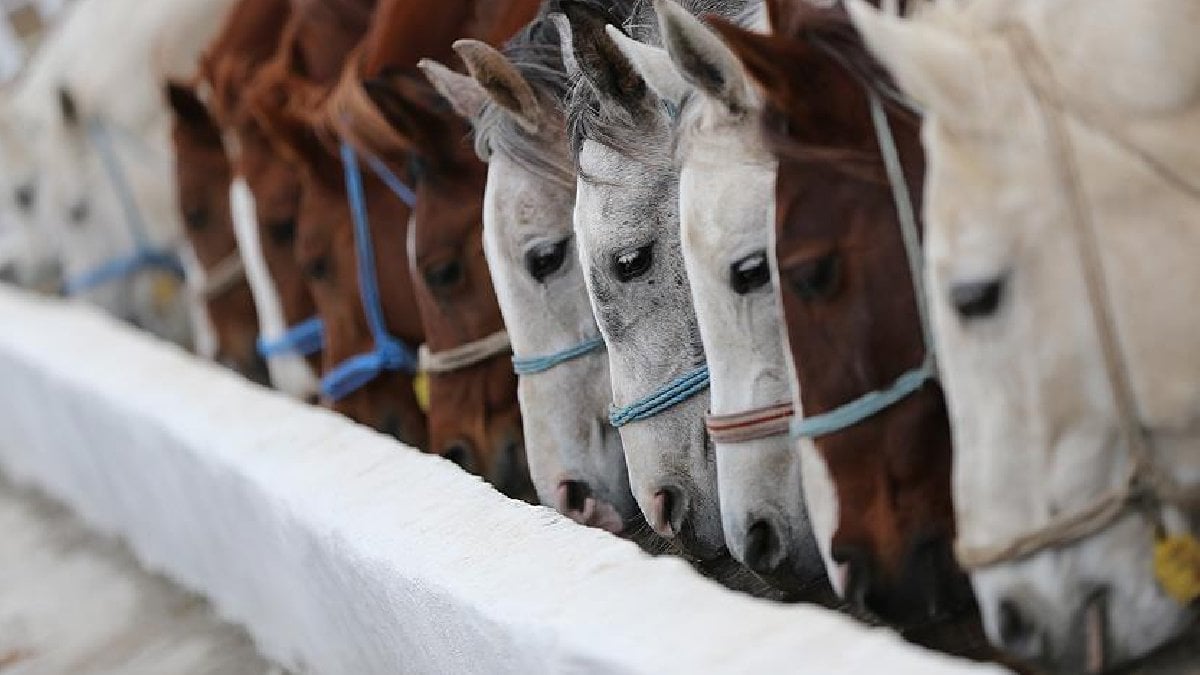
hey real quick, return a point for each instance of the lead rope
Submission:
(1145, 487)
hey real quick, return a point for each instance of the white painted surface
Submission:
(344, 552)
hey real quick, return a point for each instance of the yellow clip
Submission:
(421, 389)
(164, 291)
(1177, 567)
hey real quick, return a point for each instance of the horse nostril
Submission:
(667, 512)
(573, 496)
(1013, 627)
(764, 547)
(459, 453)
(24, 197)
(859, 573)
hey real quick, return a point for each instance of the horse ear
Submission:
(758, 55)
(67, 107)
(653, 64)
(186, 105)
(463, 92)
(504, 84)
(600, 60)
(934, 67)
(702, 57)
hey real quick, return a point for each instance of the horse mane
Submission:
(536, 53)
(625, 132)
(821, 40)
(250, 36)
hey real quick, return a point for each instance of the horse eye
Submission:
(633, 262)
(977, 299)
(318, 268)
(283, 232)
(815, 279)
(545, 259)
(750, 273)
(444, 275)
(24, 196)
(196, 219)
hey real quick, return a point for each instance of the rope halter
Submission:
(911, 381)
(145, 256)
(533, 365)
(388, 353)
(671, 394)
(1146, 489)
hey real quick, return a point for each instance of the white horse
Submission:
(1062, 244)
(627, 227)
(727, 196)
(514, 101)
(92, 107)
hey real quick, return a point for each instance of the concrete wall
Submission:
(343, 552)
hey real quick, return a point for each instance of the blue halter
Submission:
(872, 403)
(389, 353)
(305, 338)
(532, 365)
(145, 256)
(662, 399)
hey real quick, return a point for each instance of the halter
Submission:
(662, 399)
(875, 402)
(305, 338)
(464, 355)
(533, 365)
(1146, 489)
(145, 256)
(389, 353)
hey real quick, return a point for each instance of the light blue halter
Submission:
(662, 399)
(145, 256)
(532, 365)
(872, 403)
(305, 338)
(389, 352)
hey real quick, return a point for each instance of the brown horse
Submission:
(385, 108)
(250, 38)
(203, 174)
(852, 315)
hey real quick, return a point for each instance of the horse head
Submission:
(1060, 196)
(877, 485)
(514, 101)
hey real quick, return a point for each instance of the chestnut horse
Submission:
(877, 486)
(227, 330)
(389, 113)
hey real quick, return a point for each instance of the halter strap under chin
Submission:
(389, 353)
(911, 381)
(533, 365)
(756, 424)
(145, 255)
(662, 399)
(1146, 489)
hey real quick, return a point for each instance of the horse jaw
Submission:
(565, 409)
(649, 327)
(1032, 408)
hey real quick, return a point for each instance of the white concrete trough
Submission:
(341, 551)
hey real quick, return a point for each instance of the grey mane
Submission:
(639, 134)
(536, 52)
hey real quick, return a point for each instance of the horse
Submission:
(513, 99)
(1062, 193)
(726, 196)
(389, 113)
(227, 329)
(874, 435)
(109, 208)
(627, 232)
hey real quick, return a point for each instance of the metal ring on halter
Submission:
(305, 338)
(751, 425)
(533, 365)
(662, 399)
(145, 256)
(874, 402)
(389, 353)
(1146, 488)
